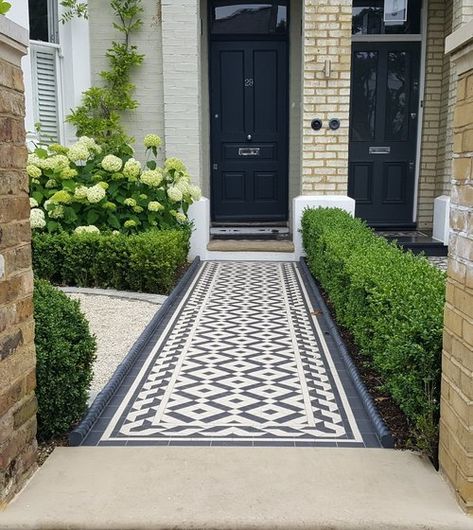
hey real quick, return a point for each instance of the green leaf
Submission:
(151, 164)
(52, 226)
(38, 196)
(69, 185)
(92, 217)
(42, 153)
(113, 221)
(4, 8)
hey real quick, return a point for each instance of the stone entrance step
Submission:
(250, 245)
(138, 488)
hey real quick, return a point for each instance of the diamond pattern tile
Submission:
(242, 359)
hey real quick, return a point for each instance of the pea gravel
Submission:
(116, 322)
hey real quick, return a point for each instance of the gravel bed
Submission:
(116, 323)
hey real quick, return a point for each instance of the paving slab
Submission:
(234, 488)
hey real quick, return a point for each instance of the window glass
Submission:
(368, 18)
(397, 97)
(364, 82)
(38, 11)
(260, 17)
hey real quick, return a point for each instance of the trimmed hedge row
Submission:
(65, 353)
(392, 302)
(148, 262)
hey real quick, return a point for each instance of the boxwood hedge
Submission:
(149, 261)
(392, 302)
(65, 354)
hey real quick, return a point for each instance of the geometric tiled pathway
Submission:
(242, 359)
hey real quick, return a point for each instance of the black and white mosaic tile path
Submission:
(242, 359)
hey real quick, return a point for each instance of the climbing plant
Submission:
(99, 114)
(72, 9)
(4, 7)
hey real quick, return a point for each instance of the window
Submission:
(43, 15)
(368, 18)
(263, 17)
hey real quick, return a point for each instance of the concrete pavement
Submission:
(234, 488)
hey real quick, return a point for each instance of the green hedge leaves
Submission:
(65, 353)
(392, 302)
(148, 262)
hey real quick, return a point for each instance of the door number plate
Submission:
(249, 82)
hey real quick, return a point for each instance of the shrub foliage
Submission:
(147, 262)
(392, 302)
(80, 188)
(65, 352)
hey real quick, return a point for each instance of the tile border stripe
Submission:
(95, 410)
(380, 426)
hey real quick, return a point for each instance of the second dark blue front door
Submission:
(249, 123)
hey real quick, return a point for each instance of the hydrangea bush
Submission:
(81, 189)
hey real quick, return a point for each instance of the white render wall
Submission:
(148, 78)
(181, 27)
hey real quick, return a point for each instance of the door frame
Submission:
(249, 37)
(422, 38)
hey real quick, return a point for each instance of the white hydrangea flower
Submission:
(155, 206)
(129, 202)
(182, 218)
(57, 212)
(81, 192)
(112, 163)
(95, 194)
(68, 173)
(33, 159)
(151, 140)
(33, 171)
(89, 229)
(175, 164)
(183, 185)
(195, 193)
(37, 218)
(54, 163)
(132, 168)
(51, 183)
(175, 194)
(152, 177)
(90, 143)
(33, 203)
(78, 152)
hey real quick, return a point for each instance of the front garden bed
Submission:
(391, 303)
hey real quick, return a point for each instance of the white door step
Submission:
(138, 488)
(250, 245)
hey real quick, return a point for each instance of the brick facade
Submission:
(456, 426)
(326, 94)
(17, 354)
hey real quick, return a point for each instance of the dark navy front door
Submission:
(383, 131)
(249, 130)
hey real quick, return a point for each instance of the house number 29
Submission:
(249, 82)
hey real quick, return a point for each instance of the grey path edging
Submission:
(80, 432)
(156, 299)
(380, 426)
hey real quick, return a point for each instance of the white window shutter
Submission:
(44, 61)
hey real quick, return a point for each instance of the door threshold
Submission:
(253, 232)
(250, 245)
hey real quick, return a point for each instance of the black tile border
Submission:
(380, 426)
(77, 436)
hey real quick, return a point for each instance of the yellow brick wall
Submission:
(456, 434)
(17, 353)
(327, 37)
